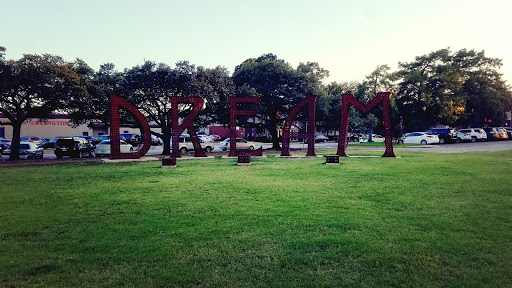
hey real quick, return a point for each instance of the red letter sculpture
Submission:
(310, 101)
(349, 99)
(233, 101)
(188, 123)
(116, 103)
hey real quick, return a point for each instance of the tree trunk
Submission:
(275, 138)
(166, 137)
(370, 134)
(15, 144)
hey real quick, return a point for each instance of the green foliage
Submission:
(34, 87)
(370, 222)
(278, 86)
(150, 87)
(461, 88)
(329, 107)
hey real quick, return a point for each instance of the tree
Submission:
(92, 105)
(33, 87)
(461, 88)
(486, 95)
(329, 107)
(150, 87)
(379, 80)
(278, 86)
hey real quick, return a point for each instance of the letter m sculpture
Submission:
(349, 99)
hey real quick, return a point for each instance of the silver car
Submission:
(240, 144)
(28, 150)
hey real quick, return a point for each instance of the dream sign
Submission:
(307, 104)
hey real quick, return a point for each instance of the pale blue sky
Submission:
(348, 38)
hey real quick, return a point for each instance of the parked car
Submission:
(318, 139)
(240, 144)
(215, 137)
(28, 150)
(131, 138)
(103, 148)
(187, 145)
(321, 138)
(100, 138)
(75, 147)
(33, 139)
(354, 137)
(476, 134)
(49, 144)
(375, 138)
(4, 144)
(421, 138)
(156, 141)
(463, 136)
(205, 139)
(502, 133)
(88, 138)
(445, 135)
(509, 132)
(401, 139)
(492, 133)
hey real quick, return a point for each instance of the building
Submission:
(60, 125)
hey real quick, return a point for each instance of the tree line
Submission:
(462, 88)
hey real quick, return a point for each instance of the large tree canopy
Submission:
(278, 86)
(34, 87)
(150, 87)
(448, 88)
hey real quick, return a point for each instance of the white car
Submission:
(476, 134)
(375, 138)
(420, 138)
(463, 136)
(240, 144)
(187, 145)
(205, 138)
(103, 148)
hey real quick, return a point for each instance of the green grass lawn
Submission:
(425, 219)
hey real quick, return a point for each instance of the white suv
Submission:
(186, 144)
(475, 134)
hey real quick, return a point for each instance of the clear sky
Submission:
(348, 38)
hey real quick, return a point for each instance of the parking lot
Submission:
(441, 148)
(490, 146)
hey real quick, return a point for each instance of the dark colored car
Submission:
(131, 138)
(50, 143)
(446, 135)
(75, 147)
(4, 144)
(492, 133)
